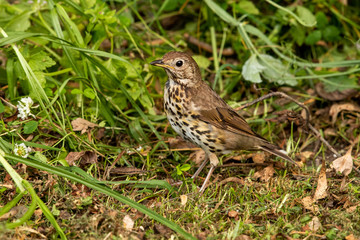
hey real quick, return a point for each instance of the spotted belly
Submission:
(186, 123)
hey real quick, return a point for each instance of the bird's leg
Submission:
(214, 161)
(201, 167)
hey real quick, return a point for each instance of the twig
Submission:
(314, 130)
(281, 94)
(318, 135)
(207, 47)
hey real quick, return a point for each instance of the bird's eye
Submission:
(179, 63)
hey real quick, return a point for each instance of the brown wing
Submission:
(227, 119)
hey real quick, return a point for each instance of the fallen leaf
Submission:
(128, 223)
(320, 191)
(74, 156)
(308, 203)
(232, 213)
(87, 157)
(330, 132)
(265, 174)
(258, 158)
(335, 95)
(243, 237)
(197, 157)
(183, 199)
(14, 212)
(306, 154)
(314, 224)
(336, 108)
(351, 209)
(163, 230)
(351, 237)
(82, 125)
(343, 164)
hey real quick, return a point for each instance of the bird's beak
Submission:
(160, 63)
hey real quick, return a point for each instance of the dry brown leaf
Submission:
(128, 223)
(88, 157)
(308, 203)
(330, 132)
(258, 158)
(232, 213)
(265, 174)
(320, 192)
(15, 211)
(243, 237)
(336, 108)
(314, 224)
(197, 157)
(163, 230)
(183, 199)
(351, 209)
(335, 95)
(306, 154)
(82, 125)
(351, 237)
(343, 164)
(74, 156)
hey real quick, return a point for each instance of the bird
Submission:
(199, 115)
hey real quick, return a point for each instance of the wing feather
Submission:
(227, 119)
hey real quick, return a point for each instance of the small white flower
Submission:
(139, 148)
(22, 150)
(24, 106)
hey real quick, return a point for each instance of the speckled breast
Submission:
(185, 120)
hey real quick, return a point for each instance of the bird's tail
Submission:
(268, 147)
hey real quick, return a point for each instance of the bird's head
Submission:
(180, 67)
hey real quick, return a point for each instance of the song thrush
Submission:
(200, 116)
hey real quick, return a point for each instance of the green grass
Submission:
(90, 60)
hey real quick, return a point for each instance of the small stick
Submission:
(207, 47)
(281, 94)
(314, 130)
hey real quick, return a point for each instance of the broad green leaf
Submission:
(19, 23)
(125, 20)
(248, 7)
(40, 61)
(221, 13)
(30, 127)
(185, 167)
(321, 20)
(202, 61)
(305, 15)
(76, 91)
(276, 71)
(41, 157)
(252, 69)
(331, 33)
(313, 37)
(345, 81)
(88, 92)
(298, 34)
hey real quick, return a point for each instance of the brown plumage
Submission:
(200, 116)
